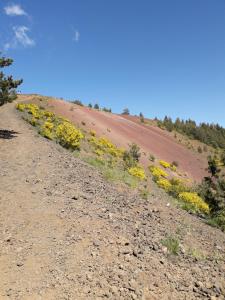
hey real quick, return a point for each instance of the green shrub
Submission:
(131, 157)
(77, 102)
(151, 157)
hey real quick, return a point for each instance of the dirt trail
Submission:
(67, 234)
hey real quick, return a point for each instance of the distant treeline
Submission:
(210, 134)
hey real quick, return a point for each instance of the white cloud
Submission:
(20, 38)
(76, 36)
(14, 10)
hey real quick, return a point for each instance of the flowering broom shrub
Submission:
(20, 106)
(68, 136)
(157, 172)
(164, 184)
(138, 172)
(164, 164)
(104, 146)
(167, 165)
(195, 200)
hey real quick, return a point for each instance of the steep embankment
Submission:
(123, 130)
(68, 234)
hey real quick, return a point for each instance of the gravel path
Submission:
(65, 233)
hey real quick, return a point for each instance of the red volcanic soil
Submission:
(123, 130)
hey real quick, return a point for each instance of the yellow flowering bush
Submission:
(195, 200)
(105, 146)
(46, 130)
(68, 136)
(20, 106)
(49, 125)
(48, 114)
(164, 184)
(157, 172)
(138, 172)
(99, 152)
(164, 164)
(167, 165)
(173, 168)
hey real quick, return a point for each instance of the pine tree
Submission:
(7, 84)
(126, 111)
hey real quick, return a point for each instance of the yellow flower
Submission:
(68, 136)
(157, 172)
(164, 164)
(195, 200)
(138, 172)
(164, 183)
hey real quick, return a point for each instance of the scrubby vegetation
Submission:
(178, 189)
(210, 134)
(172, 244)
(53, 127)
(107, 109)
(77, 102)
(121, 165)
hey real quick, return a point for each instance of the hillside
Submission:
(123, 130)
(66, 233)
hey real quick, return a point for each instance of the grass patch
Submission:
(172, 244)
(113, 174)
(144, 193)
(217, 221)
(196, 253)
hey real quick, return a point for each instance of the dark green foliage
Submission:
(90, 105)
(212, 190)
(126, 111)
(96, 106)
(107, 109)
(131, 157)
(77, 102)
(167, 122)
(223, 158)
(175, 163)
(7, 84)
(142, 119)
(210, 134)
(213, 168)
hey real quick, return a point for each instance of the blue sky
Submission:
(156, 56)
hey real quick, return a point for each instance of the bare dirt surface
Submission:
(123, 130)
(67, 234)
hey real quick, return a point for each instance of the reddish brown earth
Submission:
(123, 130)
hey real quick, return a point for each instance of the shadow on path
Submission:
(7, 134)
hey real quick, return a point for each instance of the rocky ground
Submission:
(66, 233)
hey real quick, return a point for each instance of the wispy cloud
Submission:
(14, 10)
(76, 36)
(20, 38)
